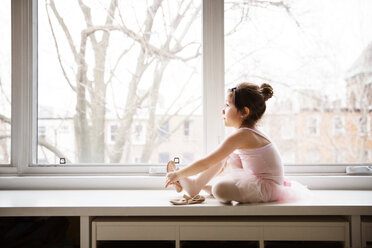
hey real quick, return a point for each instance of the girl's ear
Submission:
(245, 112)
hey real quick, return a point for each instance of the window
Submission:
(113, 132)
(338, 125)
(109, 61)
(164, 129)
(5, 82)
(312, 126)
(42, 132)
(139, 135)
(364, 125)
(151, 71)
(305, 50)
(187, 125)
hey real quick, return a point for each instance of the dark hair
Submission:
(251, 96)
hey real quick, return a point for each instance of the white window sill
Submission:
(328, 182)
(156, 203)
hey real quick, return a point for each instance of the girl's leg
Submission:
(208, 189)
(226, 191)
(194, 185)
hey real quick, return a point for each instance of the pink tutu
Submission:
(293, 191)
(258, 173)
(254, 189)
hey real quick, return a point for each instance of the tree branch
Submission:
(66, 31)
(5, 119)
(88, 19)
(53, 149)
(112, 72)
(58, 53)
(4, 137)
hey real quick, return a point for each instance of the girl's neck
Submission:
(252, 127)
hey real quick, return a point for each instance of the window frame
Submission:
(24, 101)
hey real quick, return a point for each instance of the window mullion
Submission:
(24, 112)
(213, 72)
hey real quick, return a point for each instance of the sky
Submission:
(316, 54)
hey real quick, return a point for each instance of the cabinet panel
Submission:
(219, 232)
(304, 233)
(127, 231)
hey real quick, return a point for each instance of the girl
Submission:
(251, 164)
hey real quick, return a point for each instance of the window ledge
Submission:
(156, 203)
(130, 182)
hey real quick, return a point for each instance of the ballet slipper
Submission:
(171, 166)
(186, 200)
(196, 199)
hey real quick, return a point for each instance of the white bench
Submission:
(352, 206)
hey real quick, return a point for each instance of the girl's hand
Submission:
(171, 178)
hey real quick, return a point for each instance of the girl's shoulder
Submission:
(245, 131)
(253, 138)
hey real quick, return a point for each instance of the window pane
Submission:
(319, 65)
(117, 82)
(5, 81)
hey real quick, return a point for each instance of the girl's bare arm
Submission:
(233, 142)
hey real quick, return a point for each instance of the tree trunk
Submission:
(132, 101)
(81, 123)
(153, 133)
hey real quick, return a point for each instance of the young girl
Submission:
(251, 164)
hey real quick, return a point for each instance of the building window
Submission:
(42, 132)
(338, 125)
(187, 125)
(138, 137)
(313, 126)
(364, 126)
(64, 129)
(113, 132)
(164, 130)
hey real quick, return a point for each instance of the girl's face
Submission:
(231, 115)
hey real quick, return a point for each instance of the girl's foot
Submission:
(171, 166)
(208, 189)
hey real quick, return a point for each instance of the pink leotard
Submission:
(264, 162)
(258, 173)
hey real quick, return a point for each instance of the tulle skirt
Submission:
(255, 189)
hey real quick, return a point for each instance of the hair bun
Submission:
(267, 91)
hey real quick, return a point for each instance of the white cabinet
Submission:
(257, 230)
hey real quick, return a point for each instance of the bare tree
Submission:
(89, 120)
